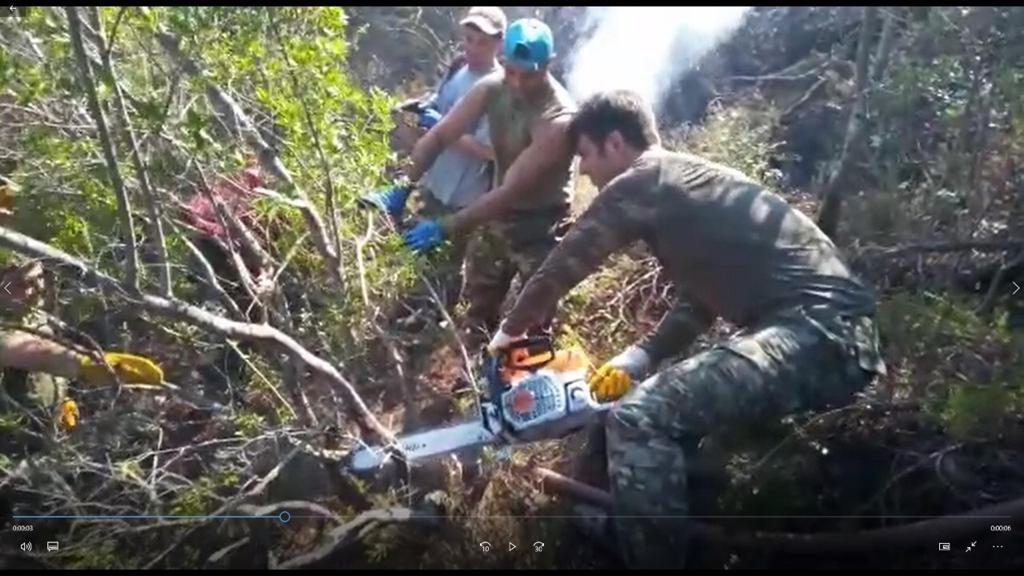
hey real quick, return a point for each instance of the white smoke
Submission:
(646, 48)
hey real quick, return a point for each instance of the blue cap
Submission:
(528, 44)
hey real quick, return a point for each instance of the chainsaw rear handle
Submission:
(493, 365)
(528, 343)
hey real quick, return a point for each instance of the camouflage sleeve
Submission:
(615, 219)
(678, 328)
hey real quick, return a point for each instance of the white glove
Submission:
(633, 360)
(501, 341)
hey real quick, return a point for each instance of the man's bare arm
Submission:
(452, 126)
(23, 351)
(549, 152)
(473, 147)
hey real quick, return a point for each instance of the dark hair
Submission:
(622, 110)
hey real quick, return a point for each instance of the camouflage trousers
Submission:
(516, 245)
(795, 361)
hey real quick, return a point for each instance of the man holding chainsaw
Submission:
(735, 250)
(462, 172)
(527, 212)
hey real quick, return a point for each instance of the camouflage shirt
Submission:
(733, 249)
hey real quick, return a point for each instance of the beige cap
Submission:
(489, 19)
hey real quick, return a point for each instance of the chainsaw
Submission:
(532, 393)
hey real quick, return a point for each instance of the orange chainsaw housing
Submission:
(520, 362)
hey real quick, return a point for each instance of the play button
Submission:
(511, 546)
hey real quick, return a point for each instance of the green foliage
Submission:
(248, 424)
(738, 136)
(104, 555)
(968, 374)
(197, 499)
(973, 412)
(10, 422)
(916, 325)
(286, 68)
(61, 195)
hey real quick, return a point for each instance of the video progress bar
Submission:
(283, 517)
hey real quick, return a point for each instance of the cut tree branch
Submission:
(178, 310)
(123, 206)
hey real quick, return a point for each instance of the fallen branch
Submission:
(176, 309)
(353, 531)
(290, 506)
(219, 555)
(812, 92)
(227, 506)
(559, 483)
(944, 247)
(985, 309)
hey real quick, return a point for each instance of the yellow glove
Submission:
(130, 369)
(609, 383)
(67, 415)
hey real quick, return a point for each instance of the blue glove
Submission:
(429, 118)
(424, 236)
(390, 200)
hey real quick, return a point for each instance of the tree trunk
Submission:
(831, 206)
(885, 45)
(141, 171)
(124, 209)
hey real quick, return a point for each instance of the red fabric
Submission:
(237, 198)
